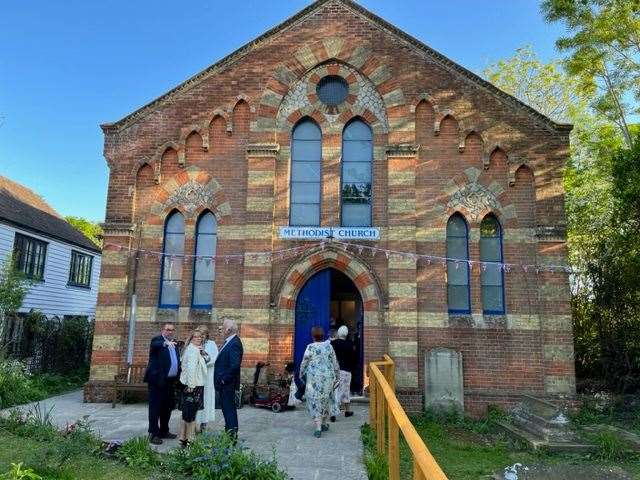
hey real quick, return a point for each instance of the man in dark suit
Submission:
(227, 375)
(162, 372)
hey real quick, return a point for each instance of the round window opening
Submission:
(332, 90)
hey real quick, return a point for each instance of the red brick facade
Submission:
(445, 141)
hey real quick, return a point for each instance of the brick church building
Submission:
(425, 211)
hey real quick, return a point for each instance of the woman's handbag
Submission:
(192, 401)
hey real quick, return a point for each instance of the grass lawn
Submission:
(466, 452)
(45, 460)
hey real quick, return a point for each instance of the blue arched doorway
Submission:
(330, 299)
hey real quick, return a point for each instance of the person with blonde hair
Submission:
(208, 413)
(193, 377)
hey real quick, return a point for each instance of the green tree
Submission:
(602, 185)
(543, 86)
(603, 44)
(611, 304)
(92, 230)
(13, 288)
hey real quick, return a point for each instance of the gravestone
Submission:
(443, 379)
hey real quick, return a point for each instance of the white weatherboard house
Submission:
(63, 264)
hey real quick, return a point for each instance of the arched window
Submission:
(173, 249)
(203, 265)
(492, 276)
(458, 293)
(306, 158)
(357, 156)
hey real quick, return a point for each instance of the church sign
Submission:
(335, 233)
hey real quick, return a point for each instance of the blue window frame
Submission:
(171, 269)
(356, 178)
(458, 290)
(204, 268)
(306, 174)
(332, 90)
(492, 274)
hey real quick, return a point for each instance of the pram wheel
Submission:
(276, 407)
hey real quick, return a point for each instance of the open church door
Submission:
(312, 309)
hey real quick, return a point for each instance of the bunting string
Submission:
(275, 255)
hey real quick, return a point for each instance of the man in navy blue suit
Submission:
(162, 372)
(227, 375)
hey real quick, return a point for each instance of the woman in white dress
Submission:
(208, 413)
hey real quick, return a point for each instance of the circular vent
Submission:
(332, 90)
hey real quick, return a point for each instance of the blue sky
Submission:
(67, 66)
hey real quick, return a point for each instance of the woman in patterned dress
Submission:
(320, 366)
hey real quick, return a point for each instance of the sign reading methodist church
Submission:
(337, 233)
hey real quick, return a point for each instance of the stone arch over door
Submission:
(373, 300)
(319, 259)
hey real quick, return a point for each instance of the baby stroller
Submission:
(273, 395)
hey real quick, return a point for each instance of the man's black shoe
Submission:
(348, 414)
(168, 435)
(155, 440)
(332, 418)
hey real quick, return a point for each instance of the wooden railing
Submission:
(388, 419)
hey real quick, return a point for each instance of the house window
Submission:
(357, 156)
(173, 250)
(492, 276)
(203, 265)
(80, 269)
(306, 157)
(29, 255)
(458, 293)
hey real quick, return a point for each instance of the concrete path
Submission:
(337, 455)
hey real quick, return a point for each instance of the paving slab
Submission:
(288, 435)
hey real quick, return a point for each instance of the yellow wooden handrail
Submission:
(385, 410)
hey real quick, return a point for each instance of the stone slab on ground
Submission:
(337, 455)
(563, 472)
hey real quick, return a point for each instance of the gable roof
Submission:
(442, 60)
(26, 209)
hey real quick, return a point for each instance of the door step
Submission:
(360, 399)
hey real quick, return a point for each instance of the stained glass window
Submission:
(492, 276)
(357, 156)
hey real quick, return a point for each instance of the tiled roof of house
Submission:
(24, 208)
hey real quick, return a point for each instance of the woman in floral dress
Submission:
(321, 369)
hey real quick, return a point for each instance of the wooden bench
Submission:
(130, 379)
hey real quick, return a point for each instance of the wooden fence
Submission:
(388, 419)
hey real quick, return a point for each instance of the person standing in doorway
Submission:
(227, 375)
(162, 371)
(345, 353)
(208, 413)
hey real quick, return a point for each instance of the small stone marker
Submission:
(444, 381)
